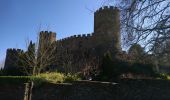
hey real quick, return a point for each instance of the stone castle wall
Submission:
(77, 41)
(106, 36)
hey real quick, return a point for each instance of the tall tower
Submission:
(46, 39)
(107, 24)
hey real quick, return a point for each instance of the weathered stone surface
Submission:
(85, 90)
(125, 90)
(12, 91)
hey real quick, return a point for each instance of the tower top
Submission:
(107, 8)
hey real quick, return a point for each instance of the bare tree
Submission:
(144, 21)
(38, 56)
(91, 67)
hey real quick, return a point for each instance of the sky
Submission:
(21, 20)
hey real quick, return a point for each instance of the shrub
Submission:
(55, 77)
(112, 68)
(163, 76)
(69, 78)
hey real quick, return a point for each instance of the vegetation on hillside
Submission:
(53, 77)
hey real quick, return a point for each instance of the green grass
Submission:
(53, 77)
(15, 79)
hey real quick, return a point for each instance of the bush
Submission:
(52, 77)
(55, 77)
(112, 68)
(69, 78)
(163, 76)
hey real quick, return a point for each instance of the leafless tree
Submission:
(91, 67)
(144, 21)
(37, 58)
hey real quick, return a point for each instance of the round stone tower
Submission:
(107, 24)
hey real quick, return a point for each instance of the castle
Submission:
(85, 47)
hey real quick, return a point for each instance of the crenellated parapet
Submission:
(47, 33)
(47, 36)
(14, 50)
(106, 8)
(76, 37)
(12, 57)
(14, 53)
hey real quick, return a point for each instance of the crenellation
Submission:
(75, 37)
(19, 50)
(50, 32)
(100, 9)
(46, 32)
(106, 7)
(84, 35)
(88, 35)
(14, 50)
(111, 7)
(79, 36)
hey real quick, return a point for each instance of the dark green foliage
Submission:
(1, 72)
(145, 69)
(14, 79)
(107, 65)
(162, 76)
(137, 49)
(16, 71)
(112, 68)
(21, 80)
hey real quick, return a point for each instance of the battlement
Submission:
(47, 33)
(106, 8)
(48, 36)
(76, 37)
(14, 50)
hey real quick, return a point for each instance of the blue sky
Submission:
(22, 19)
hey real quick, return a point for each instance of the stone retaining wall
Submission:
(86, 90)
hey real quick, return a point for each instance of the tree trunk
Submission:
(28, 90)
